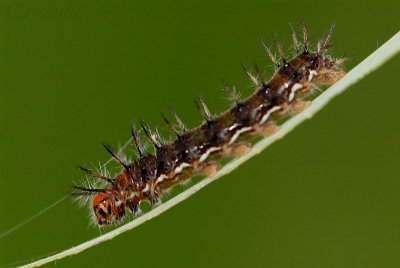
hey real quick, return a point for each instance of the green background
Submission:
(73, 75)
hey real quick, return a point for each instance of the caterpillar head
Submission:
(108, 206)
(103, 205)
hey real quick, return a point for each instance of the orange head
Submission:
(103, 205)
(107, 206)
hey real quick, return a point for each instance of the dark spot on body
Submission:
(245, 120)
(134, 209)
(214, 138)
(209, 124)
(275, 100)
(120, 215)
(184, 154)
(102, 213)
(239, 108)
(264, 91)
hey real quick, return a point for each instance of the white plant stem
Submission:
(371, 63)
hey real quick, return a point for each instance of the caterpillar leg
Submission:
(269, 129)
(212, 169)
(241, 149)
(298, 106)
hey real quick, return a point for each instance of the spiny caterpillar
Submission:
(200, 150)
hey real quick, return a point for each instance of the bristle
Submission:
(271, 56)
(136, 140)
(328, 37)
(180, 123)
(97, 175)
(229, 90)
(340, 61)
(153, 138)
(278, 46)
(171, 126)
(115, 156)
(318, 48)
(206, 110)
(294, 37)
(303, 28)
(259, 75)
(88, 190)
(86, 194)
(202, 113)
(250, 76)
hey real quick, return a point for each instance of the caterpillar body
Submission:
(200, 150)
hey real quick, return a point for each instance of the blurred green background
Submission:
(73, 75)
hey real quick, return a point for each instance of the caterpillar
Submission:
(200, 150)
